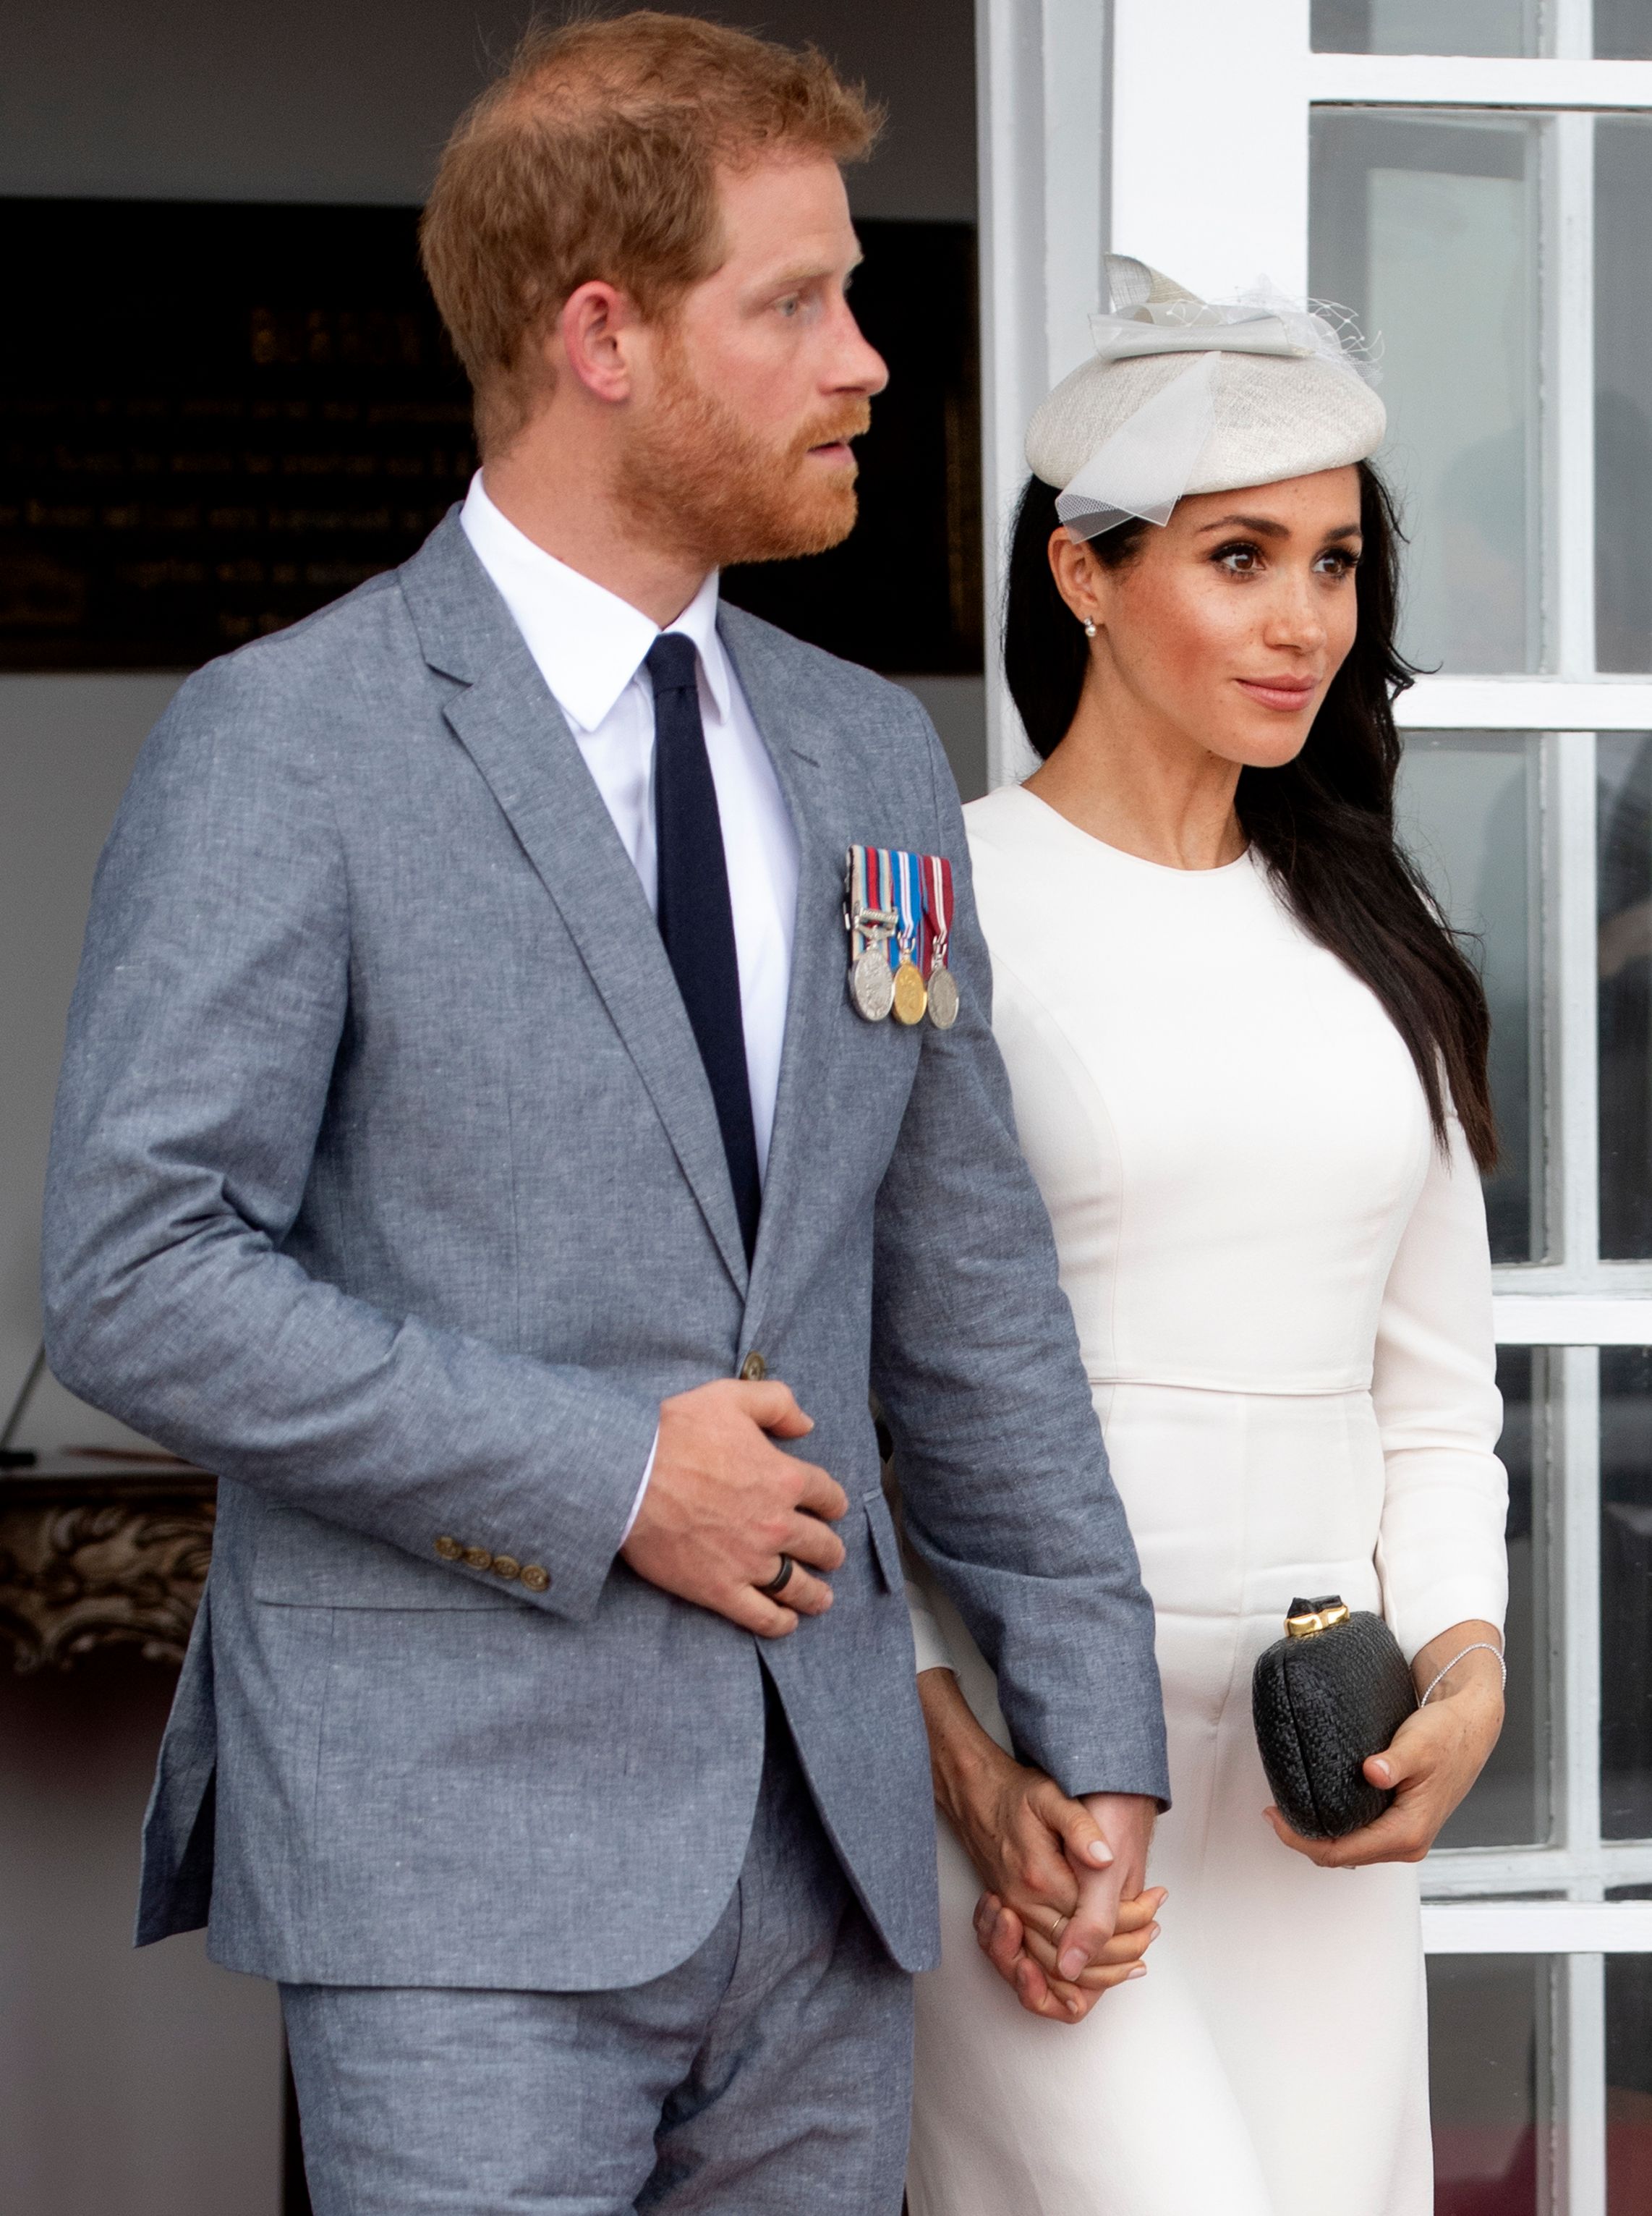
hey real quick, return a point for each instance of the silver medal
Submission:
(871, 984)
(943, 998)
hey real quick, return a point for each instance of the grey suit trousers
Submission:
(771, 2070)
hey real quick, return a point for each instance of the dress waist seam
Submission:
(1246, 1389)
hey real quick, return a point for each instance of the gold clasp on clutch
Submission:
(1317, 1620)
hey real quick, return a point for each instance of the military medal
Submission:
(912, 994)
(937, 932)
(870, 918)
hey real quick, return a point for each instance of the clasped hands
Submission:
(1065, 1915)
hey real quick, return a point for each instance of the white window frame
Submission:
(1178, 130)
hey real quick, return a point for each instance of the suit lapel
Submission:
(514, 731)
(801, 746)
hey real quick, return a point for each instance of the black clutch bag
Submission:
(1325, 1698)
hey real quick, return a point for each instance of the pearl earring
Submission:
(1089, 627)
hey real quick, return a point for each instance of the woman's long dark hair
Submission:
(1324, 823)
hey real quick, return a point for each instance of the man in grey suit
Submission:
(463, 1128)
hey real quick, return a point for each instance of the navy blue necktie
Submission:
(697, 920)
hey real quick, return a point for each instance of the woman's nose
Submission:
(1295, 617)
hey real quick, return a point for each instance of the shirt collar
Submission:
(589, 642)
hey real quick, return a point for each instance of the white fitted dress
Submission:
(1283, 1297)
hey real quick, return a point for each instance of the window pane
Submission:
(1623, 909)
(1628, 2077)
(1427, 229)
(1428, 27)
(1622, 389)
(1508, 1805)
(1626, 1593)
(1623, 33)
(1483, 2016)
(1467, 811)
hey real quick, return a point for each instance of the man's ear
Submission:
(593, 328)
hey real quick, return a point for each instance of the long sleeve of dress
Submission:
(1440, 1554)
(928, 1638)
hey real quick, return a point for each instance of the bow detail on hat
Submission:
(1146, 314)
(1148, 462)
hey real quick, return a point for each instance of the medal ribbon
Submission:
(909, 904)
(870, 887)
(937, 912)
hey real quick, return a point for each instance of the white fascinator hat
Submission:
(1190, 395)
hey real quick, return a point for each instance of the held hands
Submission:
(1064, 1918)
(724, 1504)
(1436, 1755)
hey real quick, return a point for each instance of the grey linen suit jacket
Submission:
(386, 1182)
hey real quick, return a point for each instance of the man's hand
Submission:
(723, 1505)
(1124, 1823)
(1050, 1865)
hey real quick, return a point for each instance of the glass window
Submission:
(1623, 388)
(1484, 2012)
(1626, 1593)
(1508, 1805)
(1623, 33)
(1467, 812)
(1629, 2076)
(1425, 227)
(1623, 909)
(1426, 26)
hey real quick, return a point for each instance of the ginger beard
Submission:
(700, 480)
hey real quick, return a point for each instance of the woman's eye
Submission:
(1337, 562)
(1240, 560)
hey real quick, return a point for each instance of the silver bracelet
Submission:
(1480, 1646)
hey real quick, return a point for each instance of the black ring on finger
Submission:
(781, 1579)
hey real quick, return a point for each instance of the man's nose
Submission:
(858, 366)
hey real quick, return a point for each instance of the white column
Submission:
(1209, 164)
(1041, 75)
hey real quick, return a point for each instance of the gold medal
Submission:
(911, 996)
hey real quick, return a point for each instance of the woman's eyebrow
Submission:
(1267, 527)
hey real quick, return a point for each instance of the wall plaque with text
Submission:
(216, 418)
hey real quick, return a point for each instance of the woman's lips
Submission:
(1284, 693)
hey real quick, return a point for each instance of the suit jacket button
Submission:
(535, 1579)
(449, 1550)
(506, 1567)
(754, 1368)
(478, 1558)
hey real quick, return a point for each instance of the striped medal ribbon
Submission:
(871, 917)
(937, 934)
(911, 993)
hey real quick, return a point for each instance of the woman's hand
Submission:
(1026, 1961)
(1047, 1862)
(1436, 1755)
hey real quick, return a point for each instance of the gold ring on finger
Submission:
(1058, 1923)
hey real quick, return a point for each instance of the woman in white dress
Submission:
(1248, 1067)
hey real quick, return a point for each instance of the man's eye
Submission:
(789, 306)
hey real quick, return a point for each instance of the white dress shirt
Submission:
(590, 646)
